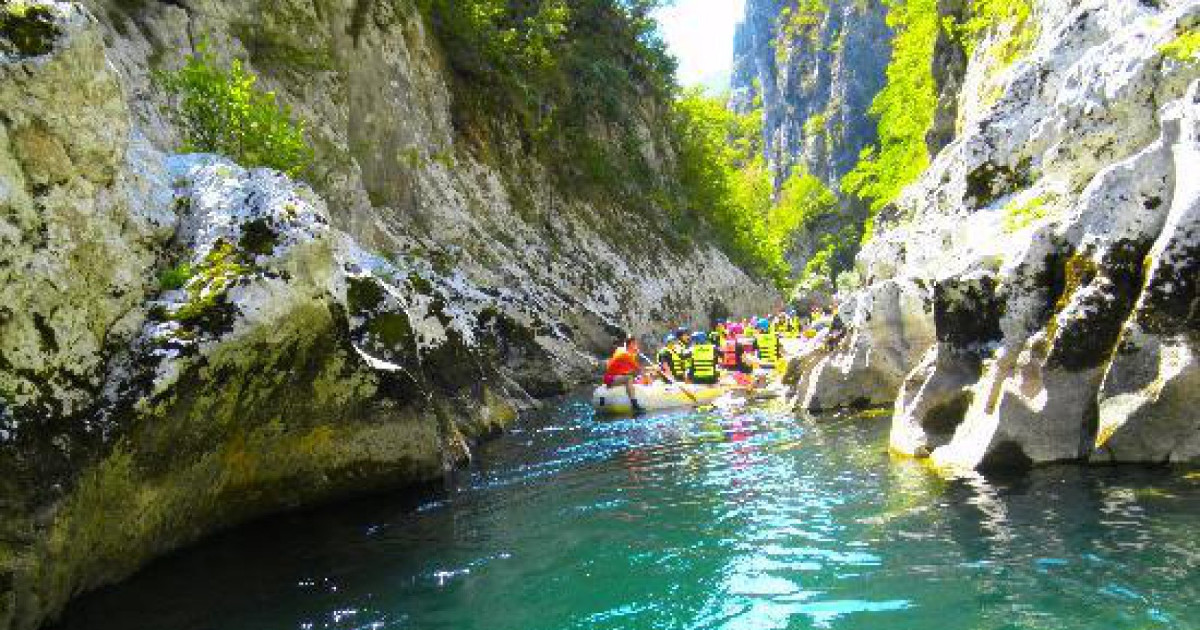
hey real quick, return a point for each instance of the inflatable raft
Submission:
(655, 397)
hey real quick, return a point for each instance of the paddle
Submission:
(670, 378)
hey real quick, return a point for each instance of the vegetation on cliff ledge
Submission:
(904, 108)
(220, 110)
(557, 70)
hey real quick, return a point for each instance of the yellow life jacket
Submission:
(704, 361)
(768, 347)
(674, 359)
(678, 362)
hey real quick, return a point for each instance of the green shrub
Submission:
(175, 277)
(553, 69)
(27, 30)
(799, 21)
(803, 200)
(220, 110)
(986, 16)
(816, 124)
(1185, 47)
(833, 258)
(725, 182)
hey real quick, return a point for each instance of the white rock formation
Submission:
(1058, 221)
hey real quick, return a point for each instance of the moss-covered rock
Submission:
(219, 343)
(28, 29)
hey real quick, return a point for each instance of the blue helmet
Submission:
(699, 337)
(668, 339)
(763, 323)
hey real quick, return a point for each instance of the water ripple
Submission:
(726, 520)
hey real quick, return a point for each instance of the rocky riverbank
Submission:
(186, 344)
(1033, 296)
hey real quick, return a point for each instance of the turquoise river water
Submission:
(748, 520)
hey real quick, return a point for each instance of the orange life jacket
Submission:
(622, 362)
(729, 353)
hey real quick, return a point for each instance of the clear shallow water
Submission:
(752, 520)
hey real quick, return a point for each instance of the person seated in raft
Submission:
(779, 324)
(748, 353)
(623, 368)
(704, 360)
(766, 342)
(793, 325)
(671, 363)
(731, 351)
(684, 335)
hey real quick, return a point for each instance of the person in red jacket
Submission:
(623, 369)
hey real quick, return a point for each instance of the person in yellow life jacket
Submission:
(671, 360)
(704, 360)
(766, 343)
(719, 334)
(778, 325)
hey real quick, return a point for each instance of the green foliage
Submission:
(833, 258)
(1185, 47)
(816, 124)
(798, 21)
(175, 277)
(987, 16)
(821, 264)
(904, 107)
(1020, 215)
(554, 69)
(803, 200)
(220, 110)
(207, 285)
(26, 29)
(725, 181)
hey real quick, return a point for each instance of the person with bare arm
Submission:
(623, 368)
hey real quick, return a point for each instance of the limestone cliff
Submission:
(813, 68)
(1032, 297)
(350, 333)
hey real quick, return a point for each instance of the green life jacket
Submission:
(704, 361)
(768, 347)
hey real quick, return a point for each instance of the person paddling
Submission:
(766, 342)
(670, 360)
(704, 360)
(623, 369)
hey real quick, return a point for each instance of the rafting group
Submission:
(743, 359)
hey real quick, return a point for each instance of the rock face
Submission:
(1057, 237)
(814, 69)
(815, 72)
(186, 344)
(889, 327)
